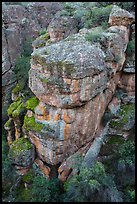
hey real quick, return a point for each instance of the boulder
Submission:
(22, 152)
(120, 16)
(62, 26)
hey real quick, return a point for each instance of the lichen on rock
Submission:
(30, 124)
(31, 103)
(22, 152)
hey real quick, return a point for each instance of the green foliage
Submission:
(32, 103)
(44, 190)
(96, 17)
(27, 47)
(9, 175)
(95, 35)
(129, 6)
(131, 48)
(21, 69)
(126, 153)
(82, 187)
(125, 112)
(30, 124)
(29, 176)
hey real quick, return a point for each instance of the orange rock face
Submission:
(75, 81)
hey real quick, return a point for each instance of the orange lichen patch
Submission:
(66, 131)
(75, 97)
(40, 117)
(66, 118)
(43, 110)
(68, 81)
(75, 86)
(57, 117)
(45, 169)
(48, 117)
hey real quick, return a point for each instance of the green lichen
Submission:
(18, 146)
(30, 124)
(19, 87)
(13, 107)
(44, 80)
(20, 109)
(8, 123)
(39, 59)
(32, 103)
(124, 113)
(45, 36)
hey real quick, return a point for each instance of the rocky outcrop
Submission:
(22, 154)
(120, 16)
(20, 23)
(62, 26)
(75, 80)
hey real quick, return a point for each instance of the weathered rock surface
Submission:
(20, 23)
(120, 16)
(22, 152)
(75, 81)
(62, 26)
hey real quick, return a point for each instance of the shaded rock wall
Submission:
(20, 23)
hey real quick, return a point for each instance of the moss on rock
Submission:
(30, 124)
(125, 112)
(17, 89)
(13, 107)
(22, 152)
(8, 124)
(32, 103)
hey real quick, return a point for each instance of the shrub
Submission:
(126, 152)
(85, 186)
(130, 48)
(44, 190)
(21, 69)
(95, 35)
(27, 47)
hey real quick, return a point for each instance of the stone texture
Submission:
(20, 23)
(127, 83)
(120, 16)
(22, 152)
(45, 169)
(75, 81)
(62, 26)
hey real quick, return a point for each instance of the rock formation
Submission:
(20, 23)
(75, 80)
